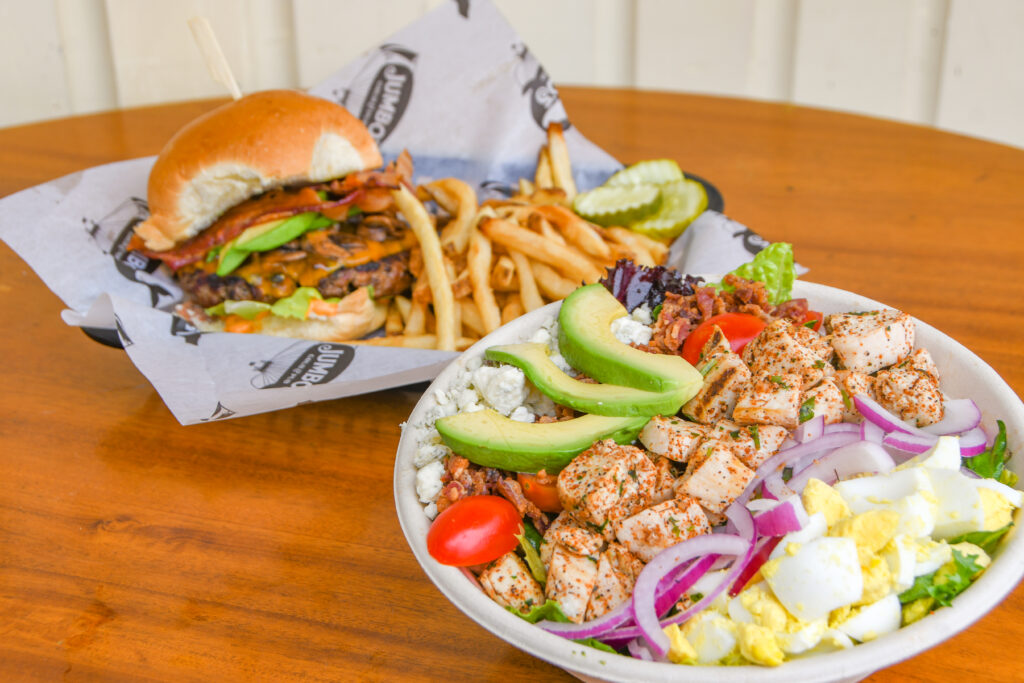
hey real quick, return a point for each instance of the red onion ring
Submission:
(810, 430)
(959, 415)
(854, 458)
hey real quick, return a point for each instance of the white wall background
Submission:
(955, 64)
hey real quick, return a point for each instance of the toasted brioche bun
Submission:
(264, 140)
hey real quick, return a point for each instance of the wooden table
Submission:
(268, 548)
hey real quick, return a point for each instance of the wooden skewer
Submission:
(214, 56)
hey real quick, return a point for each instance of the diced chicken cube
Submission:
(665, 482)
(716, 345)
(727, 376)
(770, 400)
(752, 444)
(571, 579)
(509, 583)
(660, 526)
(820, 346)
(921, 361)
(715, 477)
(782, 348)
(850, 384)
(617, 569)
(912, 395)
(606, 482)
(568, 533)
(871, 340)
(825, 399)
(672, 437)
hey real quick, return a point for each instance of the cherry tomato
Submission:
(474, 530)
(738, 328)
(816, 316)
(544, 496)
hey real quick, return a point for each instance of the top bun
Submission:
(264, 140)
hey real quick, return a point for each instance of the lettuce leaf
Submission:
(296, 304)
(991, 463)
(947, 582)
(773, 266)
(549, 611)
(986, 540)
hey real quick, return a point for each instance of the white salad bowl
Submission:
(963, 374)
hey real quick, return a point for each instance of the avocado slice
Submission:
(489, 439)
(598, 399)
(587, 343)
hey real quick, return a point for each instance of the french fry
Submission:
(526, 187)
(471, 319)
(479, 263)
(394, 323)
(416, 321)
(404, 305)
(461, 205)
(550, 283)
(637, 242)
(577, 230)
(540, 224)
(542, 177)
(528, 291)
(549, 195)
(559, 256)
(635, 253)
(561, 168)
(512, 310)
(414, 341)
(503, 274)
(440, 287)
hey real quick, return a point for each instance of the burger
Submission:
(275, 216)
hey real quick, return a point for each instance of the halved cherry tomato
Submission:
(816, 317)
(474, 530)
(543, 495)
(738, 328)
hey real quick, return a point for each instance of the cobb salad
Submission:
(799, 484)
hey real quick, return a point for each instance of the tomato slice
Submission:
(738, 328)
(813, 316)
(542, 492)
(474, 530)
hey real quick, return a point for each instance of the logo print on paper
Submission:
(219, 413)
(752, 242)
(383, 97)
(303, 364)
(186, 330)
(545, 105)
(113, 232)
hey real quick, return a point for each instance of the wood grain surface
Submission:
(268, 547)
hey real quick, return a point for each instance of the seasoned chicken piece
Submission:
(716, 345)
(912, 395)
(715, 477)
(672, 437)
(752, 444)
(820, 346)
(509, 583)
(826, 399)
(725, 378)
(871, 340)
(782, 347)
(571, 579)
(617, 569)
(665, 482)
(567, 533)
(770, 400)
(850, 384)
(921, 361)
(606, 482)
(660, 526)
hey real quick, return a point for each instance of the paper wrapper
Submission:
(474, 105)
